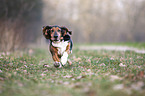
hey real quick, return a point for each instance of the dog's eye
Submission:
(58, 30)
(52, 30)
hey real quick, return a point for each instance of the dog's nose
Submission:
(55, 35)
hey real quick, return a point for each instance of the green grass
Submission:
(140, 45)
(93, 73)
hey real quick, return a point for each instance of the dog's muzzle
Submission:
(56, 37)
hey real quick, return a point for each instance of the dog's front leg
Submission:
(64, 58)
(55, 57)
(56, 60)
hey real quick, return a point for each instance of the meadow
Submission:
(92, 73)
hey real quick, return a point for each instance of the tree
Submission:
(15, 18)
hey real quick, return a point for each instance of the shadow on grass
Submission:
(68, 66)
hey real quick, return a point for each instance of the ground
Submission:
(92, 73)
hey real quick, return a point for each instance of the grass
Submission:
(93, 73)
(140, 45)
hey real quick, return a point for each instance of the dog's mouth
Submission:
(56, 40)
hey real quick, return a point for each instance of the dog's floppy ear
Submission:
(46, 31)
(70, 32)
(65, 31)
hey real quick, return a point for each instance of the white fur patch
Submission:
(64, 58)
(61, 46)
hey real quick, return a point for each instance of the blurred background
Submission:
(92, 21)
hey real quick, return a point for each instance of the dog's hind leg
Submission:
(69, 62)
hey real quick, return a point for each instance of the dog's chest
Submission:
(61, 46)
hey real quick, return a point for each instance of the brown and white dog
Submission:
(60, 44)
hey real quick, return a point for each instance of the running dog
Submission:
(60, 43)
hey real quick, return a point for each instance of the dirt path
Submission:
(116, 48)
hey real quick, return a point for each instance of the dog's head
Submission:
(55, 33)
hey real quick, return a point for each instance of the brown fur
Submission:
(54, 53)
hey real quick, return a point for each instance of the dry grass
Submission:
(11, 37)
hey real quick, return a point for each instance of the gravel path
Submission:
(116, 48)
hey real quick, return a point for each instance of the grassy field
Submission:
(139, 45)
(93, 73)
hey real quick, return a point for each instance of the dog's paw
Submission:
(57, 65)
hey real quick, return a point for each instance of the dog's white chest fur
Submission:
(61, 46)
